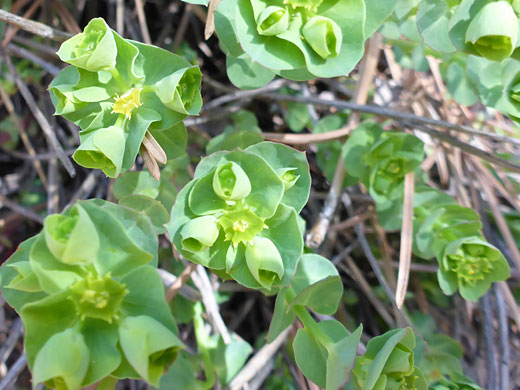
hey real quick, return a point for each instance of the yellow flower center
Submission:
(240, 226)
(126, 103)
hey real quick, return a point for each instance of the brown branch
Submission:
(36, 28)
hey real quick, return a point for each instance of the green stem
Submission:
(201, 335)
(119, 80)
(148, 89)
(312, 326)
(120, 121)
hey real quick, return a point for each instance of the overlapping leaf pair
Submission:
(90, 298)
(451, 233)
(239, 215)
(121, 93)
(388, 364)
(480, 27)
(324, 351)
(296, 39)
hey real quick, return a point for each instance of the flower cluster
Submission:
(297, 39)
(442, 228)
(239, 215)
(381, 159)
(451, 233)
(92, 303)
(125, 96)
(388, 363)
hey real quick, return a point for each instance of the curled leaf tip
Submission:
(273, 21)
(323, 35)
(230, 182)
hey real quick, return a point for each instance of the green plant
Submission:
(122, 100)
(238, 216)
(296, 39)
(90, 298)
(86, 287)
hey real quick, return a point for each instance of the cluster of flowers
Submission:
(239, 214)
(443, 228)
(122, 100)
(297, 39)
(92, 303)
(452, 233)
(381, 159)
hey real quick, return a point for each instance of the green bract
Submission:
(238, 216)
(470, 265)
(298, 40)
(388, 364)
(118, 90)
(90, 298)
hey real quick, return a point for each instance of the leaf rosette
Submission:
(238, 216)
(296, 39)
(381, 159)
(90, 298)
(388, 363)
(117, 91)
(470, 265)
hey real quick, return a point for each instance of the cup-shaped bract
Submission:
(199, 234)
(273, 20)
(180, 91)
(149, 346)
(141, 90)
(102, 149)
(230, 182)
(324, 36)
(72, 238)
(254, 236)
(72, 310)
(63, 361)
(470, 265)
(388, 363)
(94, 49)
(264, 261)
(289, 177)
(493, 32)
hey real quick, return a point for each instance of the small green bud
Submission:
(199, 234)
(230, 182)
(63, 361)
(241, 226)
(264, 261)
(98, 297)
(493, 32)
(273, 21)
(324, 36)
(94, 49)
(72, 238)
(288, 176)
